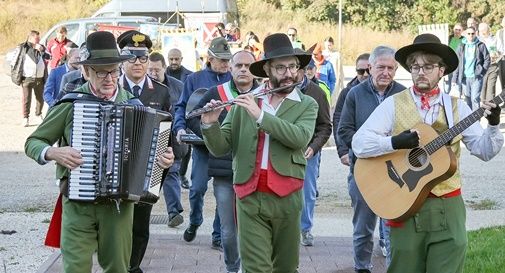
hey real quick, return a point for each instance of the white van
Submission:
(78, 29)
(224, 10)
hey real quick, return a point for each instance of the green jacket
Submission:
(290, 131)
(56, 126)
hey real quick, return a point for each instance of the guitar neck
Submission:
(459, 127)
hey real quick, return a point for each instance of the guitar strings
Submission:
(419, 151)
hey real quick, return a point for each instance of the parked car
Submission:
(78, 29)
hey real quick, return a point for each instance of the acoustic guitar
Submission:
(395, 185)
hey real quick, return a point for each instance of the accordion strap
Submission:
(73, 96)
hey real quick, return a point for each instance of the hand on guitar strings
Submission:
(491, 112)
(407, 139)
(166, 159)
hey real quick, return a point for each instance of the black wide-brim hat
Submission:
(431, 44)
(277, 45)
(101, 49)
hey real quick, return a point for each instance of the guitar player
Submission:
(434, 239)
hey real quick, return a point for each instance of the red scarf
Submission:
(425, 96)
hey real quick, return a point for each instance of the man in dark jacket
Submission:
(220, 168)
(171, 185)
(175, 68)
(29, 70)
(362, 74)
(474, 62)
(312, 153)
(153, 94)
(360, 102)
(216, 72)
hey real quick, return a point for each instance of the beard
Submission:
(275, 83)
(423, 84)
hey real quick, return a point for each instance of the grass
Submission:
(32, 209)
(17, 18)
(485, 251)
(485, 204)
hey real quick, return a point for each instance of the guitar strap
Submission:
(449, 118)
(446, 100)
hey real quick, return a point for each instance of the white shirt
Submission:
(374, 137)
(266, 107)
(132, 84)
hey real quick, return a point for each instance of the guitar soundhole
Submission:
(418, 157)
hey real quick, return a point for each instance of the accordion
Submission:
(119, 145)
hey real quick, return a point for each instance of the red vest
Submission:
(268, 180)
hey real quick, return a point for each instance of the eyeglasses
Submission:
(103, 74)
(427, 68)
(142, 59)
(361, 71)
(281, 69)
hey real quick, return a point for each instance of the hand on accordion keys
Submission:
(67, 156)
(166, 159)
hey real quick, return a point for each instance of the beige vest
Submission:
(405, 118)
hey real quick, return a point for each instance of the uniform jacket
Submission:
(290, 132)
(154, 94)
(157, 95)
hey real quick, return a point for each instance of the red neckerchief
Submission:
(425, 96)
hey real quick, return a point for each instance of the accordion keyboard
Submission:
(85, 138)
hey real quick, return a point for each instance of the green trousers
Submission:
(433, 241)
(269, 232)
(88, 227)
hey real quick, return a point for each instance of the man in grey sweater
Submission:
(359, 104)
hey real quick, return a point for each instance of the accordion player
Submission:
(119, 145)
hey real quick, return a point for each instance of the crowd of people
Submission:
(263, 153)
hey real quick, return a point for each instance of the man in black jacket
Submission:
(172, 184)
(362, 74)
(28, 69)
(220, 168)
(175, 68)
(155, 95)
(312, 153)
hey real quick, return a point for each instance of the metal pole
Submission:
(340, 26)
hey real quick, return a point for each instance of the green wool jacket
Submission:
(56, 126)
(290, 131)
